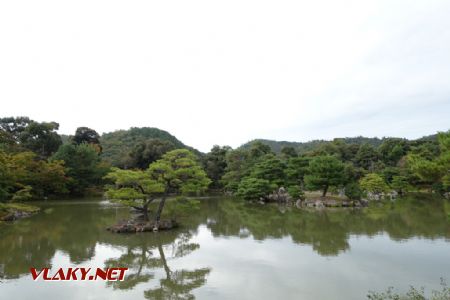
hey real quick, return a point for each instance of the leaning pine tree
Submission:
(176, 173)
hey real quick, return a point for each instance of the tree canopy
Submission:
(324, 171)
(146, 152)
(177, 172)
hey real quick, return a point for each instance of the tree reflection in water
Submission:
(151, 254)
(76, 229)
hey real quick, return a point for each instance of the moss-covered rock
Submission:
(14, 211)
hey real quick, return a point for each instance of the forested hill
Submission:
(118, 144)
(303, 147)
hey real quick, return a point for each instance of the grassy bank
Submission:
(7, 209)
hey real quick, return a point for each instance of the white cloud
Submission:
(215, 72)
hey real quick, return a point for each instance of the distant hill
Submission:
(276, 146)
(432, 137)
(303, 147)
(117, 144)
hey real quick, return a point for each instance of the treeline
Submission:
(396, 164)
(35, 162)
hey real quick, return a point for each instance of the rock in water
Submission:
(135, 226)
(280, 196)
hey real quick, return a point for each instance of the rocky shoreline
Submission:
(13, 212)
(322, 203)
(282, 196)
(131, 226)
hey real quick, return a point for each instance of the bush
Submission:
(253, 188)
(296, 192)
(353, 191)
(373, 183)
(23, 194)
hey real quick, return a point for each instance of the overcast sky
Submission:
(224, 72)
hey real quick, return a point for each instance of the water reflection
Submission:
(151, 254)
(328, 231)
(73, 229)
(78, 228)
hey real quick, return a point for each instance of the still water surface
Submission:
(231, 250)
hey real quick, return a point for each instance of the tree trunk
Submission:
(325, 189)
(144, 209)
(163, 259)
(145, 212)
(158, 212)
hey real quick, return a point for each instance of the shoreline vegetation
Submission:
(142, 167)
(412, 294)
(15, 211)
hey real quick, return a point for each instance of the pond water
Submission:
(227, 249)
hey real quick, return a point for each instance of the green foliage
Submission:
(177, 172)
(388, 173)
(324, 171)
(366, 157)
(215, 164)
(240, 163)
(45, 177)
(429, 171)
(338, 148)
(270, 168)
(254, 188)
(296, 169)
(296, 192)
(133, 187)
(22, 170)
(259, 149)
(373, 183)
(412, 294)
(307, 147)
(433, 172)
(425, 149)
(88, 136)
(118, 144)
(21, 133)
(6, 180)
(146, 152)
(237, 168)
(83, 166)
(352, 173)
(180, 172)
(353, 191)
(41, 138)
(444, 158)
(288, 151)
(13, 127)
(23, 194)
(392, 149)
(76, 166)
(20, 207)
(400, 184)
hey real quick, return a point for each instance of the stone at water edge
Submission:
(15, 215)
(131, 227)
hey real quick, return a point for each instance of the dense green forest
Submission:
(37, 163)
(304, 147)
(118, 145)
